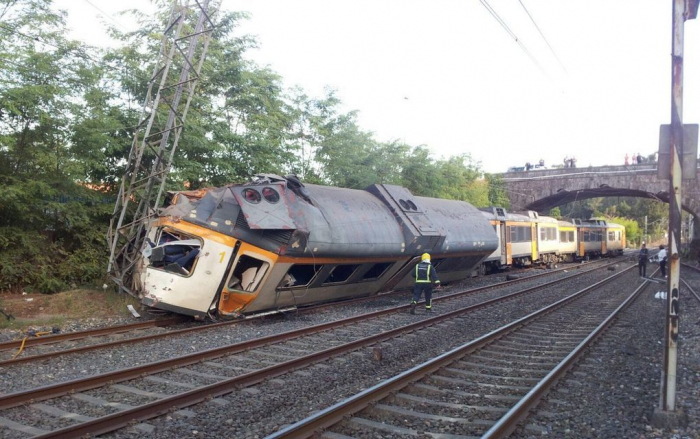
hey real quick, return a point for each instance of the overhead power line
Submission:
(543, 37)
(107, 15)
(79, 53)
(512, 34)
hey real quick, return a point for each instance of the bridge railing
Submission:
(624, 169)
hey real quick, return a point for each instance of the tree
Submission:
(47, 208)
(497, 192)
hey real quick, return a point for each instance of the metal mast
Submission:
(175, 74)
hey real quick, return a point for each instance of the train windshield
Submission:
(174, 252)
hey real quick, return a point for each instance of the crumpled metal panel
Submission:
(215, 208)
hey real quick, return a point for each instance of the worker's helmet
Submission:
(425, 257)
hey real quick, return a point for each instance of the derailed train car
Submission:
(529, 238)
(276, 243)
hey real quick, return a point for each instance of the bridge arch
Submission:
(542, 190)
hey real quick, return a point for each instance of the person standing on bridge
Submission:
(627, 159)
(643, 259)
(425, 275)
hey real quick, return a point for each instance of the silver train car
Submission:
(528, 238)
(275, 243)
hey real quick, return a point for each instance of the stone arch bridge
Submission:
(541, 190)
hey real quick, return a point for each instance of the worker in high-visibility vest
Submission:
(425, 276)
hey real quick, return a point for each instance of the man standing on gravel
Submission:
(425, 275)
(643, 258)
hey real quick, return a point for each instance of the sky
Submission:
(446, 74)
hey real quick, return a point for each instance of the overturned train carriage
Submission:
(276, 243)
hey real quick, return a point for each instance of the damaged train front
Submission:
(188, 264)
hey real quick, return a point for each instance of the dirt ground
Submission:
(21, 311)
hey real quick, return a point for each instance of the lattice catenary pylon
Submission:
(177, 69)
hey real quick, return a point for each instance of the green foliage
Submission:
(67, 118)
(555, 213)
(497, 192)
(640, 210)
(632, 232)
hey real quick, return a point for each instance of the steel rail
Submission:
(60, 389)
(687, 285)
(509, 422)
(120, 419)
(254, 317)
(334, 414)
(691, 267)
(692, 291)
(68, 336)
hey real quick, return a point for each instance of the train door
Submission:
(502, 237)
(509, 247)
(581, 245)
(622, 239)
(604, 241)
(534, 230)
(245, 278)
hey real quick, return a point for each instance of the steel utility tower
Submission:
(170, 90)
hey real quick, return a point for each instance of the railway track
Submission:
(10, 349)
(696, 271)
(238, 365)
(51, 346)
(483, 388)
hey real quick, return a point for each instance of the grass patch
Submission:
(55, 309)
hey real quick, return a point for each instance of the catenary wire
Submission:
(107, 15)
(512, 34)
(543, 37)
(80, 54)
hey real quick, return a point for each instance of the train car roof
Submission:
(285, 216)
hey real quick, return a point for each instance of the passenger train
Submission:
(528, 238)
(275, 243)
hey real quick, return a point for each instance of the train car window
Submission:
(376, 271)
(412, 205)
(563, 237)
(251, 195)
(404, 204)
(571, 236)
(524, 234)
(248, 273)
(270, 195)
(586, 237)
(175, 252)
(543, 234)
(508, 237)
(300, 275)
(341, 273)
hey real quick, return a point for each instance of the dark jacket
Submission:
(425, 273)
(644, 255)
